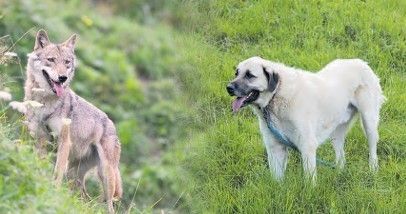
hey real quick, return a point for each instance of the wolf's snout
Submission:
(62, 79)
(230, 89)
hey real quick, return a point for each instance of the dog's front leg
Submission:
(277, 159)
(309, 161)
(64, 146)
(276, 152)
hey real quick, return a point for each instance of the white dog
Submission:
(305, 109)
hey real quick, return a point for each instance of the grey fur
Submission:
(92, 133)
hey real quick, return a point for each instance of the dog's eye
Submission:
(51, 59)
(236, 72)
(248, 75)
(67, 62)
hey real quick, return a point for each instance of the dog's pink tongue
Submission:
(59, 89)
(237, 103)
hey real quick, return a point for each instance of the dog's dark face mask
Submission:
(250, 82)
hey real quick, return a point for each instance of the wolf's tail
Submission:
(118, 190)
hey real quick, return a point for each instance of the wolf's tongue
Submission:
(237, 103)
(58, 89)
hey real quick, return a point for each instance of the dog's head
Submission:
(254, 83)
(52, 65)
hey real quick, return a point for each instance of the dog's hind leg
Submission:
(369, 104)
(370, 124)
(338, 140)
(62, 155)
(107, 176)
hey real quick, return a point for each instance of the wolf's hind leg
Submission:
(78, 171)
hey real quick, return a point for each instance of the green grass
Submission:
(26, 184)
(224, 161)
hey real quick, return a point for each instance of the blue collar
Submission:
(276, 132)
(279, 135)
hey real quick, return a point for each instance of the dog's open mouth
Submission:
(56, 87)
(240, 102)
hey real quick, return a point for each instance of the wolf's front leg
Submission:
(277, 159)
(64, 146)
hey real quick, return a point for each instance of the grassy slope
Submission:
(26, 184)
(225, 162)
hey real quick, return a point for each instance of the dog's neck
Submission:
(275, 108)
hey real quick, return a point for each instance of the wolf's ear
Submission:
(70, 43)
(41, 40)
(273, 79)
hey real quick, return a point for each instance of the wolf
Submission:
(86, 136)
(305, 109)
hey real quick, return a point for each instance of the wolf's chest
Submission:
(54, 124)
(49, 116)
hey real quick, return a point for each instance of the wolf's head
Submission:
(52, 65)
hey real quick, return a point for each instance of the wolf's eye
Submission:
(51, 59)
(248, 75)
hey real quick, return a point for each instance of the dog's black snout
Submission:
(230, 89)
(62, 79)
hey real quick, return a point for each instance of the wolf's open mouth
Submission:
(55, 86)
(240, 102)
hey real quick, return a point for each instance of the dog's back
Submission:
(356, 75)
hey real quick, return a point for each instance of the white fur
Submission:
(310, 108)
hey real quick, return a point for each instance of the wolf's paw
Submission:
(33, 104)
(19, 106)
(66, 121)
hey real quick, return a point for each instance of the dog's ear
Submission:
(70, 43)
(273, 79)
(41, 40)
